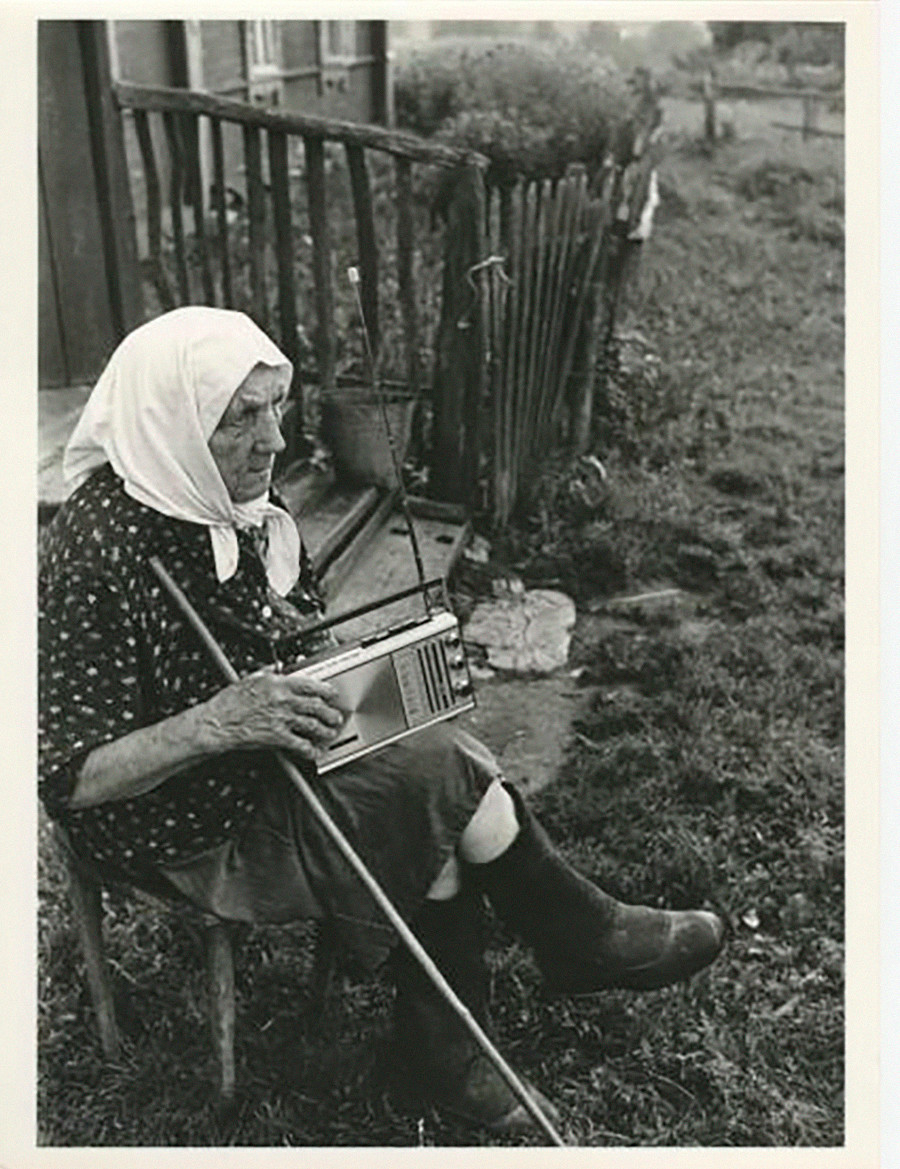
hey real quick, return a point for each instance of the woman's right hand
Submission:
(286, 711)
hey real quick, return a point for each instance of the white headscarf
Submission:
(152, 413)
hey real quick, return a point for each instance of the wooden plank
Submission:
(339, 535)
(321, 260)
(284, 251)
(318, 513)
(434, 509)
(176, 186)
(388, 567)
(396, 142)
(154, 211)
(405, 274)
(340, 569)
(365, 240)
(256, 209)
(190, 136)
(221, 210)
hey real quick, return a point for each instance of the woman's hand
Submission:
(286, 711)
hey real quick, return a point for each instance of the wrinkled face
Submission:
(248, 437)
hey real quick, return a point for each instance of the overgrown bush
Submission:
(530, 108)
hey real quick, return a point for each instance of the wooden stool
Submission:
(85, 892)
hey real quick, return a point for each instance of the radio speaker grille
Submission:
(438, 688)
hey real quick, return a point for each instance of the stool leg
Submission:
(86, 900)
(220, 971)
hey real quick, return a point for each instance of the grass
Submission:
(708, 768)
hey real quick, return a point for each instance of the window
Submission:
(263, 48)
(338, 40)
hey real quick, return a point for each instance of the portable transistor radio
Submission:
(392, 684)
(395, 682)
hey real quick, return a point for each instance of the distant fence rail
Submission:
(813, 101)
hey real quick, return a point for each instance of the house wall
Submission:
(77, 320)
(224, 61)
(141, 52)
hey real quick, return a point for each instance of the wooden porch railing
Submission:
(171, 127)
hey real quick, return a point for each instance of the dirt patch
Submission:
(527, 723)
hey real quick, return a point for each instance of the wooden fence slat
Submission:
(474, 337)
(577, 184)
(366, 243)
(562, 206)
(190, 136)
(521, 324)
(154, 211)
(592, 244)
(221, 210)
(554, 248)
(505, 482)
(536, 316)
(405, 274)
(284, 251)
(321, 260)
(176, 186)
(256, 208)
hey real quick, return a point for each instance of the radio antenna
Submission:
(353, 277)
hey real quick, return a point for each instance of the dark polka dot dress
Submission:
(115, 655)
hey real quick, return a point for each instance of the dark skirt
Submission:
(403, 810)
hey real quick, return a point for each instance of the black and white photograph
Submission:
(445, 447)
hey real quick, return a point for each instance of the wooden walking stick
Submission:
(408, 938)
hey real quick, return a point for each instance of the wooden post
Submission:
(365, 240)
(405, 274)
(256, 208)
(221, 209)
(191, 137)
(85, 895)
(314, 148)
(810, 115)
(220, 975)
(709, 108)
(460, 350)
(175, 198)
(284, 258)
(154, 211)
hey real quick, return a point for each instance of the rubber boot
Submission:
(583, 939)
(444, 1060)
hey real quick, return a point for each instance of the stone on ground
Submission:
(524, 632)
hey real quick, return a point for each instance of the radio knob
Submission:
(457, 661)
(462, 686)
(452, 639)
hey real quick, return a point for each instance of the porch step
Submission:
(360, 545)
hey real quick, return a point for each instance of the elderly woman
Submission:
(164, 776)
